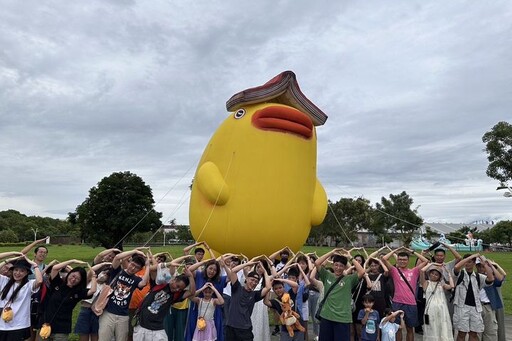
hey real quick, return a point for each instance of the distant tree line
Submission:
(17, 227)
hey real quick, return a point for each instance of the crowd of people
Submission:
(342, 295)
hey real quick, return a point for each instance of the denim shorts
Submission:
(87, 322)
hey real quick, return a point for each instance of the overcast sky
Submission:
(88, 88)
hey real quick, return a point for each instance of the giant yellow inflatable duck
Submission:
(255, 189)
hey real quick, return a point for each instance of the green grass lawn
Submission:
(87, 253)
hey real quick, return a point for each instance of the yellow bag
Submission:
(46, 331)
(201, 323)
(7, 314)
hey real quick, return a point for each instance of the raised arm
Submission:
(454, 252)
(58, 267)
(197, 265)
(268, 283)
(423, 280)
(499, 273)
(387, 256)
(321, 260)
(359, 268)
(145, 278)
(230, 273)
(37, 273)
(11, 254)
(304, 276)
(461, 264)
(99, 257)
(94, 268)
(123, 255)
(30, 246)
(312, 278)
(187, 249)
(93, 281)
(450, 285)
(191, 283)
(423, 260)
(273, 256)
(210, 251)
(488, 270)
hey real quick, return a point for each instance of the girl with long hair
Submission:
(15, 299)
(210, 273)
(62, 297)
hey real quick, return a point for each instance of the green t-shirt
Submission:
(338, 307)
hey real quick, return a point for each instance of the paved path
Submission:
(418, 337)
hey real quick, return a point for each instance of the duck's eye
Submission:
(239, 113)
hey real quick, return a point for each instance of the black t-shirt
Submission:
(241, 306)
(59, 304)
(124, 287)
(470, 295)
(155, 305)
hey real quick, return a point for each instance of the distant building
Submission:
(368, 239)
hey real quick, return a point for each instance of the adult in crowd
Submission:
(62, 297)
(336, 312)
(467, 317)
(376, 277)
(158, 301)
(211, 273)
(405, 282)
(87, 323)
(40, 254)
(114, 320)
(15, 294)
(199, 252)
(490, 299)
(243, 298)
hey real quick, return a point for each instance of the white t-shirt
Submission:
(20, 306)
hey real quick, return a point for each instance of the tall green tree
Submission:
(117, 204)
(498, 145)
(344, 218)
(397, 215)
(502, 232)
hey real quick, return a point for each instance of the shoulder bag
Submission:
(408, 284)
(320, 306)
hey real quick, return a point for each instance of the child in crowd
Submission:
(438, 325)
(389, 327)
(205, 325)
(369, 319)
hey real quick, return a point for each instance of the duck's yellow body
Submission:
(255, 189)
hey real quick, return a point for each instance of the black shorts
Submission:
(15, 335)
(237, 334)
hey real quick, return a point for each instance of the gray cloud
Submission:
(92, 88)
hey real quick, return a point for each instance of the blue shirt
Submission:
(493, 295)
(369, 331)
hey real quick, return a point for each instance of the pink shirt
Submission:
(402, 292)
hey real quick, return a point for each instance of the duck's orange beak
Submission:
(283, 119)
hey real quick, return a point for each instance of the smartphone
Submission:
(427, 319)
(434, 246)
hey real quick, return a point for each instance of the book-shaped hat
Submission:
(282, 89)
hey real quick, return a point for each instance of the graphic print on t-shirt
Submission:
(160, 299)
